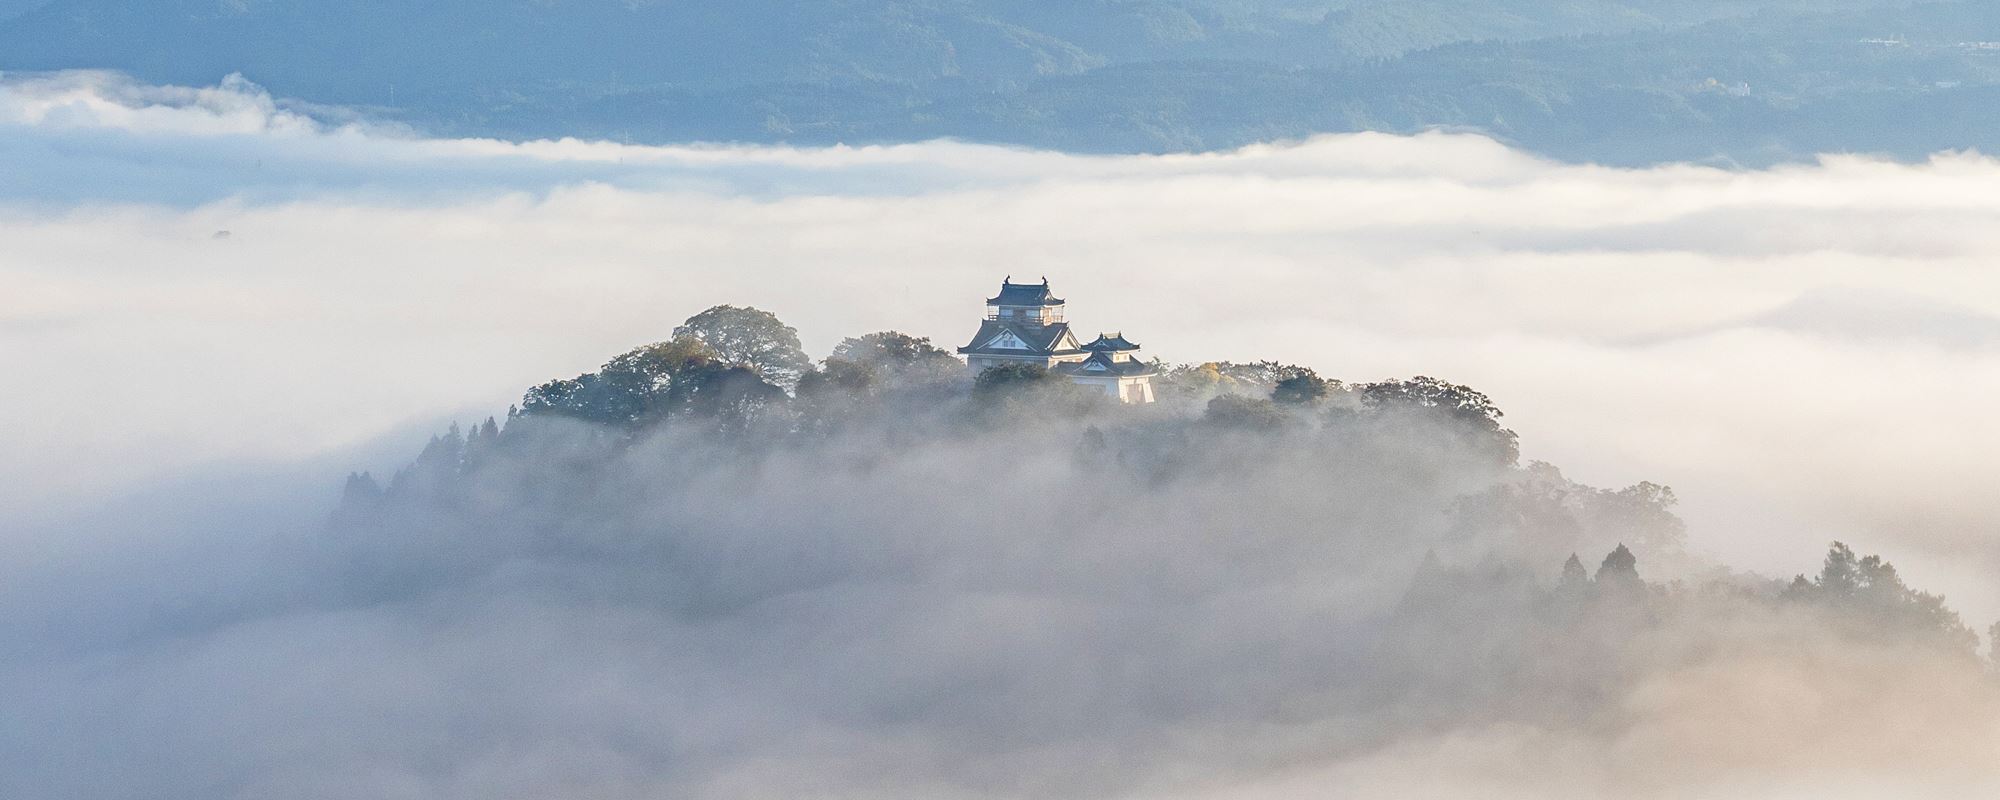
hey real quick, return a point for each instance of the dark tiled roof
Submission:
(1114, 342)
(1040, 339)
(1025, 294)
(1101, 364)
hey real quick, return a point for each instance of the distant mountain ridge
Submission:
(1629, 81)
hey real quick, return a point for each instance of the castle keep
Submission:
(1025, 324)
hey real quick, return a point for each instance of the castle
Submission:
(1024, 324)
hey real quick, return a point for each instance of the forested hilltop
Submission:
(984, 563)
(1624, 81)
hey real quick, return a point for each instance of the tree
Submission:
(1190, 381)
(1303, 388)
(839, 376)
(1012, 377)
(1574, 577)
(1641, 514)
(1868, 592)
(658, 362)
(1262, 374)
(898, 358)
(1427, 392)
(360, 492)
(837, 393)
(891, 349)
(751, 338)
(480, 443)
(1472, 410)
(1839, 574)
(1620, 567)
(637, 387)
(1006, 391)
(359, 498)
(435, 470)
(554, 397)
(643, 384)
(1244, 413)
(735, 399)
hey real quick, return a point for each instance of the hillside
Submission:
(1636, 81)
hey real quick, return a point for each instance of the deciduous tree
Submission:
(741, 336)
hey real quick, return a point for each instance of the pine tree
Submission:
(1574, 577)
(1620, 566)
(361, 491)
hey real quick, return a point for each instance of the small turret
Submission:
(1114, 345)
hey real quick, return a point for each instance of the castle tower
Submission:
(1025, 324)
(1113, 366)
(1025, 303)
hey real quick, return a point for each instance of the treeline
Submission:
(1504, 641)
(742, 373)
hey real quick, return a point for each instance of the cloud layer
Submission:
(214, 303)
(205, 275)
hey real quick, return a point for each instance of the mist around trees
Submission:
(917, 580)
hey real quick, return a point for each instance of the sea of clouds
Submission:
(214, 303)
(195, 278)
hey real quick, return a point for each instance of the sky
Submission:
(207, 281)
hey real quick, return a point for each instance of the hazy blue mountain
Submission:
(1631, 81)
